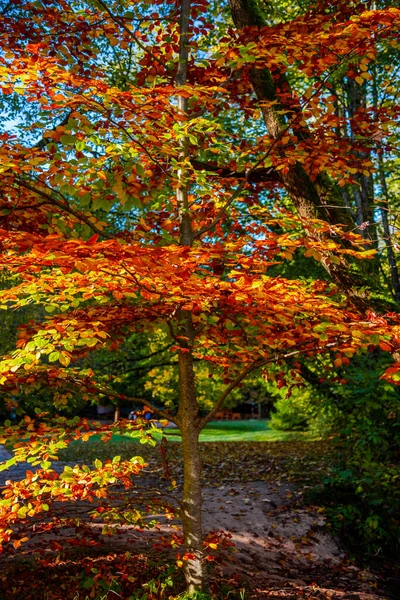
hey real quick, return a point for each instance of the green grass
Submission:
(242, 431)
(222, 431)
(216, 431)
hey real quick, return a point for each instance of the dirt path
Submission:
(282, 547)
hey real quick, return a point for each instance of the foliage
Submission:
(132, 576)
(364, 483)
(293, 412)
(142, 181)
(365, 510)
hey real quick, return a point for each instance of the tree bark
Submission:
(391, 257)
(363, 193)
(188, 412)
(394, 272)
(117, 412)
(189, 423)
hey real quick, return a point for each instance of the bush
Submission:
(362, 493)
(304, 409)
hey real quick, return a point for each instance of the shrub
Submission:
(362, 493)
(304, 409)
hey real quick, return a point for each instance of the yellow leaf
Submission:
(64, 359)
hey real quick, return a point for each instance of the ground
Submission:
(255, 493)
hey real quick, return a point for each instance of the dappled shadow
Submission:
(283, 548)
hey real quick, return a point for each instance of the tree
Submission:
(144, 192)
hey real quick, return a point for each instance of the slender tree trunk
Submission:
(188, 412)
(387, 236)
(394, 272)
(363, 193)
(189, 423)
(117, 412)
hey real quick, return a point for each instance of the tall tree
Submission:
(149, 195)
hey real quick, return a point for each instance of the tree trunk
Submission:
(363, 192)
(188, 412)
(387, 236)
(188, 420)
(394, 272)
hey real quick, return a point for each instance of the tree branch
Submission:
(243, 375)
(222, 210)
(141, 357)
(117, 396)
(251, 176)
(131, 34)
(62, 206)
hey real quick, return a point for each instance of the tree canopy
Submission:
(163, 165)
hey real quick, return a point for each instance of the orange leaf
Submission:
(385, 346)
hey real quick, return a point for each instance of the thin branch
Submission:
(148, 368)
(252, 176)
(131, 34)
(257, 365)
(111, 394)
(222, 210)
(130, 136)
(140, 358)
(227, 391)
(62, 206)
(41, 144)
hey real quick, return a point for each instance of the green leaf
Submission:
(139, 169)
(97, 463)
(88, 583)
(54, 356)
(85, 199)
(101, 203)
(68, 139)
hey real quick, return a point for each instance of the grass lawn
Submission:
(216, 431)
(223, 431)
(241, 431)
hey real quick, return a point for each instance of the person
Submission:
(147, 413)
(132, 415)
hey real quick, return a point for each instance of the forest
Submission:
(199, 299)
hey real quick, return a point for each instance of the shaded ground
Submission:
(255, 493)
